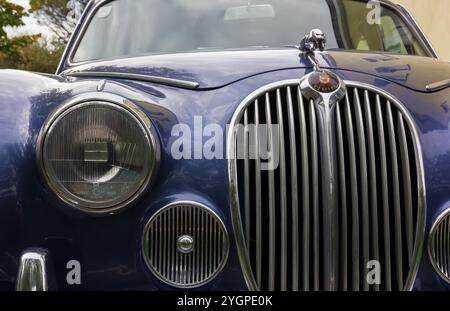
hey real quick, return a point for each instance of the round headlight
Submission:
(98, 156)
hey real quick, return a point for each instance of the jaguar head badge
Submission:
(323, 86)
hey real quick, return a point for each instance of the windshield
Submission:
(124, 28)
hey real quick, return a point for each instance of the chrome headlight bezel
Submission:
(126, 107)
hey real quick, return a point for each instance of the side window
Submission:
(392, 39)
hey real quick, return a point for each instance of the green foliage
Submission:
(53, 14)
(34, 53)
(41, 57)
(11, 16)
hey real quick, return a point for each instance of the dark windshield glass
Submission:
(138, 27)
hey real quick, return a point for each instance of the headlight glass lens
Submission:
(97, 155)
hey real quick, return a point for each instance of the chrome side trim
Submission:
(233, 181)
(132, 76)
(34, 271)
(437, 231)
(123, 104)
(438, 86)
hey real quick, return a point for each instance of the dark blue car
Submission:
(229, 145)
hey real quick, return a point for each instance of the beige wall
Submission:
(434, 18)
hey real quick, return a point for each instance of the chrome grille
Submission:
(190, 267)
(278, 215)
(439, 245)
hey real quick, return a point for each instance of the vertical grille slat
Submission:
(247, 177)
(364, 185)
(373, 179)
(305, 190)
(447, 232)
(343, 196)
(257, 195)
(294, 190)
(385, 196)
(315, 195)
(354, 195)
(407, 185)
(380, 193)
(396, 198)
(283, 194)
(271, 187)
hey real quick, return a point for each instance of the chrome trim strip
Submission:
(305, 189)
(69, 49)
(119, 103)
(343, 281)
(283, 194)
(34, 271)
(272, 212)
(419, 31)
(396, 186)
(362, 150)
(132, 76)
(373, 178)
(203, 212)
(438, 86)
(258, 196)
(247, 176)
(408, 203)
(315, 199)
(294, 190)
(354, 195)
(385, 193)
(233, 187)
(434, 251)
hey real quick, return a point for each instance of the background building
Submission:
(434, 18)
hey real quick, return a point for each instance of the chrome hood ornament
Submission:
(316, 40)
(323, 89)
(322, 86)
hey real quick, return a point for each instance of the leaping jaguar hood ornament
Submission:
(321, 85)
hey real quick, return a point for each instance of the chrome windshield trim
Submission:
(131, 76)
(438, 86)
(420, 31)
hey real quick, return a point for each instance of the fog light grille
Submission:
(185, 245)
(439, 246)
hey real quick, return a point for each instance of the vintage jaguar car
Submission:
(197, 145)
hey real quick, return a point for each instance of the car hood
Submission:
(214, 69)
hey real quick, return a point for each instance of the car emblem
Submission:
(185, 244)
